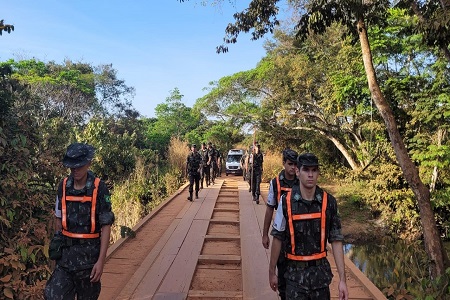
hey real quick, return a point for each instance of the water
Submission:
(394, 266)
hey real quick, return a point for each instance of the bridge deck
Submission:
(167, 258)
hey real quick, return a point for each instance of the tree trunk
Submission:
(433, 243)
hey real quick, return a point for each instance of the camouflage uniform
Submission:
(204, 171)
(256, 169)
(272, 202)
(193, 164)
(307, 279)
(212, 155)
(71, 276)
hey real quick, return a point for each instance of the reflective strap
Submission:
(63, 205)
(290, 221)
(81, 199)
(94, 203)
(279, 189)
(323, 221)
(306, 257)
(80, 235)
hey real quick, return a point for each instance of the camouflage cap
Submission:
(307, 160)
(194, 146)
(289, 154)
(78, 155)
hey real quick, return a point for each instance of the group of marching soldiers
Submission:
(252, 167)
(203, 166)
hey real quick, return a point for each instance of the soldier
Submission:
(256, 172)
(280, 185)
(204, 171)
(307, 219)
(83, 227)
(219, 162)
(212, 162)
(193, 164)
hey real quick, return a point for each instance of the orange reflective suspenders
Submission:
(82, 199)
(280, 188)
(319, 215)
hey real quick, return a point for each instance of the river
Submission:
(395, 266)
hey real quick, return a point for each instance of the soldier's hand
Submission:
(265, 241)
(273, 281)
(97, 272)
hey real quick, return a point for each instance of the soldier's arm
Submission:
(274, 253)
(338, 253)
(268, 217)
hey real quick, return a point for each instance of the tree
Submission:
(173, 119)
(355, 15)
(434, 22)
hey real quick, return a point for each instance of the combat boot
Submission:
(190, 196)
(257, 199)
(196, 194)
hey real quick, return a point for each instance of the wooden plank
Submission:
(151, 258)
(215, 294)
(232, 222)
(219, 259)
(158, 269)
(255, 262)
(179, 276)
(222, 237)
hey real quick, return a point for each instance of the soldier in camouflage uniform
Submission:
(279, 186)
(193, 164)
(204, 171)
(257, 160)
(308, 219)
(212, 162)
(81, 239)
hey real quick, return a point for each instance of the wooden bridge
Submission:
(206, 249)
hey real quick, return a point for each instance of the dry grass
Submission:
(178, 151)
(273, 164)
(126, 202)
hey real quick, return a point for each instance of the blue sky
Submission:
(155, 46)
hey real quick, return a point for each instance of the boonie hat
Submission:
(78, 155)
(307, 160)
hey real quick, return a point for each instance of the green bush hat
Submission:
(78, 155)
(307, 160)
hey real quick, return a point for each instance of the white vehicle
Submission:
(233, 162)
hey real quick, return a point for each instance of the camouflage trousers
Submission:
(65, 285)
(294, 292)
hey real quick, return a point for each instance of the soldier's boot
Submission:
(201, 185)
(257, 199)
(196, 194)
(190, 196)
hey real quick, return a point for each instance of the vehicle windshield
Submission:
(234, 158)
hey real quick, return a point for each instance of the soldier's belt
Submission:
(310, 263)
(73, 241)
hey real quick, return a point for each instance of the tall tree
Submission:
(317, 15)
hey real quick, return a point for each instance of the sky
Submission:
(155, 46)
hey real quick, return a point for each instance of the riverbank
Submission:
(358, 224)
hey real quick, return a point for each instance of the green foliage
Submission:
(115, 150)
(174, 119)
(25, 210)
